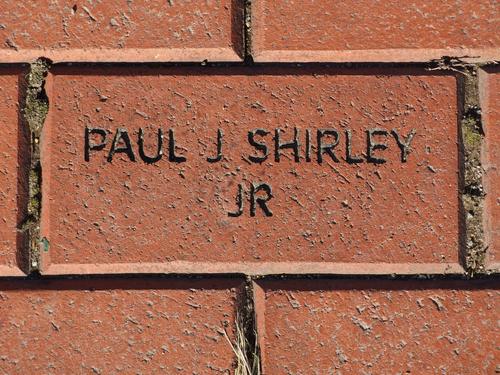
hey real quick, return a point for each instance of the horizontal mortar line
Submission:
(472, 55)
(257, 269)
(123, 55)
(7, 271)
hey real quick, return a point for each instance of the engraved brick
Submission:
(14, 161)
(333, 217)
(118, 30)
(388, 30)
(336, 326)
(490, 95)
(117, 326)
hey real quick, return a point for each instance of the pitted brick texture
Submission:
(14, 162)
(320, 327)
(133, 212)
(313, 25)
(53, 27)
(491, 158)
(142, 266)
(117, 327)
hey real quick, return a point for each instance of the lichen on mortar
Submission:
(472, 194)
(473, 190)
(34, 111)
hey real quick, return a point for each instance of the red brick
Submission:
(368, 30)
(14, 160)
(354, 327)
(490, 94)
(172, 217)
(117, 30)
(112, 327)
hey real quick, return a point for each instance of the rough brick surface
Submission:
(132, 212)
(122, 30)
(361, 30)
(325, 327)
(13, 173)
(491, 99)
(113, 327)
(207, 170)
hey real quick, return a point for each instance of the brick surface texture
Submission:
(491, 95)
(364, 29)
(348, 327)
(117, 327)
(124, 210)
(119, 30)
(249, 187)
(13, 171)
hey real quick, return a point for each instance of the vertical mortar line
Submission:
(259, 305)
(34, 111)
(472, 191)
(247, 35)
(246, 336)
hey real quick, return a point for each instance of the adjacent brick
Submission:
(112, 327)
(326, 327)
(387, 30)
(118, 30)
(491, 100)
(14, 161)
(99, 216)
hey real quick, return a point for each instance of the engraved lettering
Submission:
(372, 145)
(328, 148)
(258, 146)
(91, 146)
(404, 143)
(259, 200)
(294, 145)
(121, 136)
(159, 152)
(308, 145)
(239, 203)
(172, 156)
(351, 159)
(218, 157)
